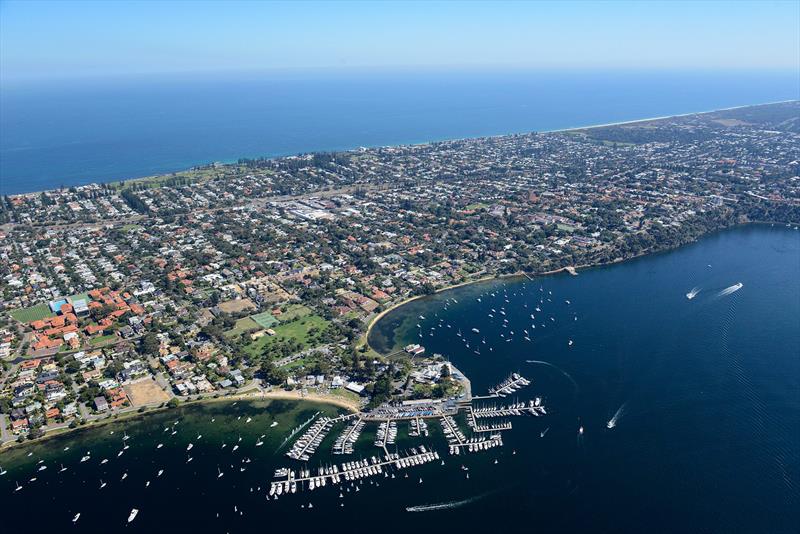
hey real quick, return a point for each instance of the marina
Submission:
(542, 457)
(292, 481)
(307, 444)
(346, 441)
(509, 386)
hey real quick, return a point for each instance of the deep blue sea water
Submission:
(706, 440)
(78, 132)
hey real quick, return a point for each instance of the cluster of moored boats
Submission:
(418, 428)
(478, 444)
(346, 441)
(349, 471)
(306, 445)
(453, 434)
(533, 407)
(492, 427)
(510, 385)
(387, 434)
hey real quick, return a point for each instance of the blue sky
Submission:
(64, 39)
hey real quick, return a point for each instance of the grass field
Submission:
(295, 330)
(293, 312)
(346, 394)
(34, 313)
(102, 340)
(41, 311)
(242, 325)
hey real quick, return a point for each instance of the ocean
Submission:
(66, 133)
(703, 393)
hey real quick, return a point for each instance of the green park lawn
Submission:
(297, 330)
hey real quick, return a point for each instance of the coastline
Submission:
(573, 270)
(139, 179)
(664, 117)
(293, 396)
(341, 402)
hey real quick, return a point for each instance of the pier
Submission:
(477, 444)
(386, 435)
(509, 386)
(306, 445)
(533, 407)
(346, 441)
(348, 471)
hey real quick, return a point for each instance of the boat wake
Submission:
(559, 369)
(693, 293)
(617, 416)
(732, 289)
(444, 505)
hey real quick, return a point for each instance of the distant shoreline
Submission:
(664, 117)
(119, 181)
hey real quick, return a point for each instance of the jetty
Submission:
(533, 407)
(306, 445)
(386, 435)
(291, 481)
(508, 386)
(346, 441)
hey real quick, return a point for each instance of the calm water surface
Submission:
(72, 133)
(705, 392)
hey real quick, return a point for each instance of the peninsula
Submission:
(259, 278)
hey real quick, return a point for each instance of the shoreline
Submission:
(136, 179)
(340, 402)
(132, 416)
(572, 270)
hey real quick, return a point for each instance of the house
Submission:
(100, 404)
(19, 426)
(237, 377)
(355, 388)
